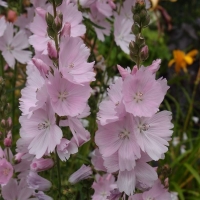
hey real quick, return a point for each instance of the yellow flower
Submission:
(181, 60)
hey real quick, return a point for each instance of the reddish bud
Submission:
(66, 31)
(7, 142)
(52, 50)
(41, 66)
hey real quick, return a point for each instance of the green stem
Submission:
(189, 110)
(1, 66)
(58, 174)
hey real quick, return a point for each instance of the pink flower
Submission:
(112, 109)
(14, 190)
(41, 164)
(2, 25)
(42, 131)
(12, 47)
(103, 186)
(38, 27)
(143, 94)
(97, 160)
(152, 133)
(74, 17)
(37, 182)
(66, 148)
(122, 33)
(157, 192)
(100, 19)
(67, 98)
(35, 82)
(83, 173)
(6, 171)
(73, 64)
(80, 134)
(119, 137)
(142, 175)
(3, 3)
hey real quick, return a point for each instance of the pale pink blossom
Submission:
(112, 109)
(143, 94)
(3, 3)
(80, 134)
(73, 64)
(6, 171)
(74, 17)
(157, 192)
(119, 137)
(14, 190)
(34, 83)
(37, 182)
(83, 173)
(97, 160)
(38, 27)
(41, 130)
(67, 98)
(122, 33)
(103, 186)
(2, 25)
(153, 133)
(12, 46)
(99, 19)
(66, 148)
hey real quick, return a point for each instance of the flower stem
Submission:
(58, 174)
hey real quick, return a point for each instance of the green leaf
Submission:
(193, 172)
(179, 190)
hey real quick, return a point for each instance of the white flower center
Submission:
(124, 134)
(138, 97)
(149, 198)
(9, 48)
(6, 171)
(44, 125)
(71, 65)
(143, 127)
(62, 96)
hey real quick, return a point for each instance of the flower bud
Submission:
(51, 48)
(18, 157)
(7, 142)
(49, 19)
(144, 53)
(9, 122)
(41, 66)
(58, 2)
(66, 31)
(41, 164)
(135, 29)
(145, 22)
(83, 173)
(3, 123)
(57, 24)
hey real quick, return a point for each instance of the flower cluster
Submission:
(131, 131)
